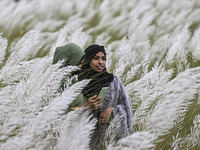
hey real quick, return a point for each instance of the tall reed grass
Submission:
(152, 45)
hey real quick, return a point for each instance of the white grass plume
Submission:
(29, 96)
(177, 53)
(192, 139)
(44, 121)
(147, 91)
(75, 130)
(26, 48)
(113, 131)
(170, 109)
(195, 45)
(70, 33)
(136, 141)
(13, 74)
(176, 142)
(3, 47)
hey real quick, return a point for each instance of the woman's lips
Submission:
(100, 67)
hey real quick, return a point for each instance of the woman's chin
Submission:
(97, 70)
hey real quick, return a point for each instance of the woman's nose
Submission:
(100, 60)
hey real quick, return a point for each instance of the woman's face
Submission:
(80, 63)
(98, 63)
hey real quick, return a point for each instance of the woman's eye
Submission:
(104, 58)
(95, 58)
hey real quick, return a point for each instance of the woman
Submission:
(116, 101)
(70, 55)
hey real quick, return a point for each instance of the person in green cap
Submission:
(70, 55)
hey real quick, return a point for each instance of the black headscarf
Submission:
(99, 79)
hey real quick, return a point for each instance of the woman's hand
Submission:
(105, 115)
(94, 102)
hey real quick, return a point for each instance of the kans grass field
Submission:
(152, 45)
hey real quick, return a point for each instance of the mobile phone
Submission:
(103, 92)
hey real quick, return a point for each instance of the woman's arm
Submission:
(105, 115)
(122, 105)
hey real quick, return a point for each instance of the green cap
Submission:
(70, 54)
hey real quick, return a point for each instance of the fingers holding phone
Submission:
(94, 102)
